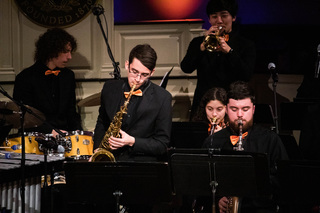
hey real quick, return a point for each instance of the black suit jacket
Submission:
(52, 95)
(150, 121)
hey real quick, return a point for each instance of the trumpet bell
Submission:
(211, 43)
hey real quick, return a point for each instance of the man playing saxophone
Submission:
(146, 124)
(255, 138)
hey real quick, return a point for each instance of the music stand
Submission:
(214, 174)
(289, 122)
(300, 184)
(125, 183)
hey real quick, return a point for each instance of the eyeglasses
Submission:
(141, 75)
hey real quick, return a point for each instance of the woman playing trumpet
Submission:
(212, 109)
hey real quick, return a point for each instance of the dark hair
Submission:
(214, 6)
(240, 90)
(53, 42)
(215, 93)
(145, 54)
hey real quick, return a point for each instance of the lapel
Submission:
(116, 95)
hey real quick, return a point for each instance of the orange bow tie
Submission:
(55, 72)
(136, 93)
(234, 139)
(209, 128)
(226, 37)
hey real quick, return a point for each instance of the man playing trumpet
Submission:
(231, 58)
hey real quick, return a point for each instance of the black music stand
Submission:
(300, 185)
(288, 110)
(214, 175)
(125, 183)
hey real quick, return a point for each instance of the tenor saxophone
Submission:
(233, 205)
(104, 151)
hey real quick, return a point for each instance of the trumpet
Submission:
(211, 42)
(213, 122)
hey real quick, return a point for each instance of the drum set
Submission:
(75, 144)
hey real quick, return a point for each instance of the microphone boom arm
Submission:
(97, 11)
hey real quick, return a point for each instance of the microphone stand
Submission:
(23, 111)
(274, 76)
(97, 11)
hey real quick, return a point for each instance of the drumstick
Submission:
(14, 147)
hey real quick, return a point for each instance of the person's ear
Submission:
(151, 74)
(126, 65)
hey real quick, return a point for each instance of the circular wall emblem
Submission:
(56, 13)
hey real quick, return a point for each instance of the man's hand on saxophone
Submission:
(124, 140)
(223, 204)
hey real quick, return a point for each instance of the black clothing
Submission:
(309, 88)
(149, 120)
(309, 142)
(53, 95)
(259, 140)
(216, 69)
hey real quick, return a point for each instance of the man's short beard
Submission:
(235, 127)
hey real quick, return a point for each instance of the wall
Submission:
(92, 65)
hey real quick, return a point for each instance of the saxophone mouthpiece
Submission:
(133, 86)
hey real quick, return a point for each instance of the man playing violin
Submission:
(255, 138)
(232, 59)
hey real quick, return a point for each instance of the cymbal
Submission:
(10, 112)
(92, 100)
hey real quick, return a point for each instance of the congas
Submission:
(78, 145)
(15, 143)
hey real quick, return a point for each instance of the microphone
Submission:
(97, 9)
(316, 72)
(274, 73)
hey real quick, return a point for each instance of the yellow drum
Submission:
(31, 145)
(79, 145)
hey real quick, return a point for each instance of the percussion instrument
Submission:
(10, 180)
(13, 143)
(78, 144)
(92, 100)
(10, 113)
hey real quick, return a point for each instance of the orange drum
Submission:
(31, 145)
(81, 146)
